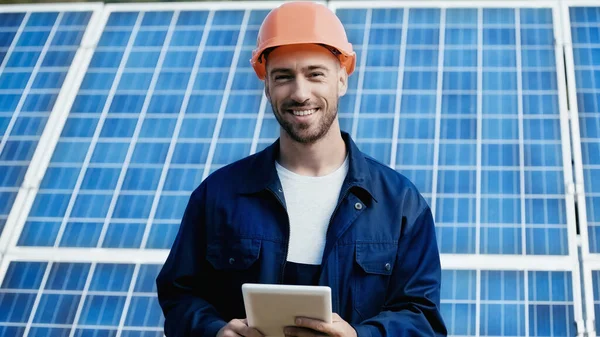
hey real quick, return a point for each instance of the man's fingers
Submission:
(240, 326)
(237, 325)
(313, 324)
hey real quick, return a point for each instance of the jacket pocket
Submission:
(233, 254)
(374, 266)
(231, 262)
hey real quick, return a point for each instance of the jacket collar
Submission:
(262, 174)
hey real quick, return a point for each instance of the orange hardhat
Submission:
(302, 23)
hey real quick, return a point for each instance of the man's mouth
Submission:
(302, 111)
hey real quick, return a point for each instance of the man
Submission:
(310, 209)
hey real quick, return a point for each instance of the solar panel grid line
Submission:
(99, 255)
(96, 134)
(454, 291)
(259, 123)
(477, 302)
(176, 131)
(399, 87)
(479, 130)
(507, 262)
(226, 95)
(88, 327)
(127, 304)
(527, 303)
(190, 6)
(438, 113)
(82, 299)
(37, 300)
(361, 69)
(521, 131)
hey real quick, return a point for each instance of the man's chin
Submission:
(305, 137)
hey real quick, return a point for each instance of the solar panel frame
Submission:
(590, 260)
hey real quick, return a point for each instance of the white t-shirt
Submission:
(310, 203)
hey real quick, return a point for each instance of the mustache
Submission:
(293, 104)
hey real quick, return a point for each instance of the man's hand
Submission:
(238, 327)
(307, 327)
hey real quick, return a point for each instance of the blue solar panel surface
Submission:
(90, 299)
(463, 101)
(168, 97)
(585, 32)
(511, 303)
(496, 156)
(36, 50)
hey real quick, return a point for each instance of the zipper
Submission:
(346, 191)
(287, 238)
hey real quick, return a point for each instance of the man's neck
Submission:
(318, 159)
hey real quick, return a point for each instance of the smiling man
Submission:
(311, 209)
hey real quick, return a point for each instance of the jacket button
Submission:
(358, 206)
(231, 260)
(388, 266)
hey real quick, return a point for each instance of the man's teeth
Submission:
(303, 112)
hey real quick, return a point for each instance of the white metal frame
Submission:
(575, 189)
(591, 262)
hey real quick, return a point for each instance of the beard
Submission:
(306, 133)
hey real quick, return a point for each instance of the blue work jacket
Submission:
(380, 258)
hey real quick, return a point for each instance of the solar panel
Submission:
(36, 51)
(464, 102)
(144, 128)
(467, 102)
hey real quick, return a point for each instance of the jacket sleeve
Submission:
(180, 283)
(412, 307)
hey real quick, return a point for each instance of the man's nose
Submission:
(301, 91)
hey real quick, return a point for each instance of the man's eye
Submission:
(282, 77)
(316, 74)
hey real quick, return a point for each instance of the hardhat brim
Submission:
(347, 58)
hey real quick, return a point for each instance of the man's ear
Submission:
(267, 93)
(342, 81)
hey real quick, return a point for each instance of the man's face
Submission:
(303, 84)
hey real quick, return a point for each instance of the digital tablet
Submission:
(272, 307)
